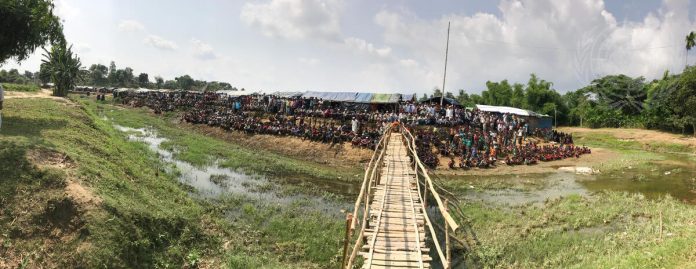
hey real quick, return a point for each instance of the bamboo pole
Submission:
(448, 249)
(349, 221)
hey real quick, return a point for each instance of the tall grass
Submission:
(20, 87)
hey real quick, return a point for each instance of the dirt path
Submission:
(43, 93)
(639, 135)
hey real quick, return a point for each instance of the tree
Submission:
(98, 74)
(621, 92)
(143, 80)
(185, 82)
(497, 94)
(159, 81)
(112, 79)
(65, 68)
(686, 97)
(436, 92)
(517, 99)
(690, 43)
(25, 26)
(44, 74)
(423, 98)
(171, 84)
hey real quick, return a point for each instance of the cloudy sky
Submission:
(380, 46)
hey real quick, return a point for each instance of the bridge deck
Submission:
(396, 233)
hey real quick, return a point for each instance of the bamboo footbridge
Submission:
(391, 217)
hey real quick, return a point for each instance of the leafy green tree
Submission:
(159, 82)
(143, 80)
(26, 25)
(685, 95)
(44, 74)
(497, 93)
(423, 98)
(65, 68)
(98, 74)
(517, 99)
(112, 78)
(171, 84)
(690, 43)
(436, 92)
(185, 82)
(621, 92)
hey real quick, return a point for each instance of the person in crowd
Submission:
(475, 138)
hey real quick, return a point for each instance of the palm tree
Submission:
(64, 67)
(690, 43)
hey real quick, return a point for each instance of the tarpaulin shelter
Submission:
(287, 94)
(535, 120)
(332, 96)
(233, 93)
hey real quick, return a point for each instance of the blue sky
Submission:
(379, 46)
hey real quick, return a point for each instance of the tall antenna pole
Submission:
(444, 77)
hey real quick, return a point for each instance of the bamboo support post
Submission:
(349, 222)
(448, 249)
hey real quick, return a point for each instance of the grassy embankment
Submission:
(20, 87)
(632, 152)
(202, 150)
(608, 230)
(605, 230)
(143, 218)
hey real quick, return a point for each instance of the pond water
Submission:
(213, 181)
(676, 178)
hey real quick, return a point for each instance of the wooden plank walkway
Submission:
(395, 236)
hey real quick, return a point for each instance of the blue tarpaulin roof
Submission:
(356, 97)
(363, 97)
(332, 96)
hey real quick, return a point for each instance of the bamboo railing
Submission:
(361, 212)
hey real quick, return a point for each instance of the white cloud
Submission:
(308, 61)
(131, 26)
(202, 50)
(66, 10)
(564, 41)
(82, 48)
(160, 43)
(408, 62)
(362, 46)
(295, 19)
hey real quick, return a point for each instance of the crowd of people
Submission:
(468, 138)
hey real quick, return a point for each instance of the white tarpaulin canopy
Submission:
(233, 93)
(510, 110)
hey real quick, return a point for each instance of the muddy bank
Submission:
(339, 155)
(215, 181)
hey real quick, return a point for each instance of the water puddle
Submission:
(677, 179)
(655, 180)
(558, 185)
(213, 181)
